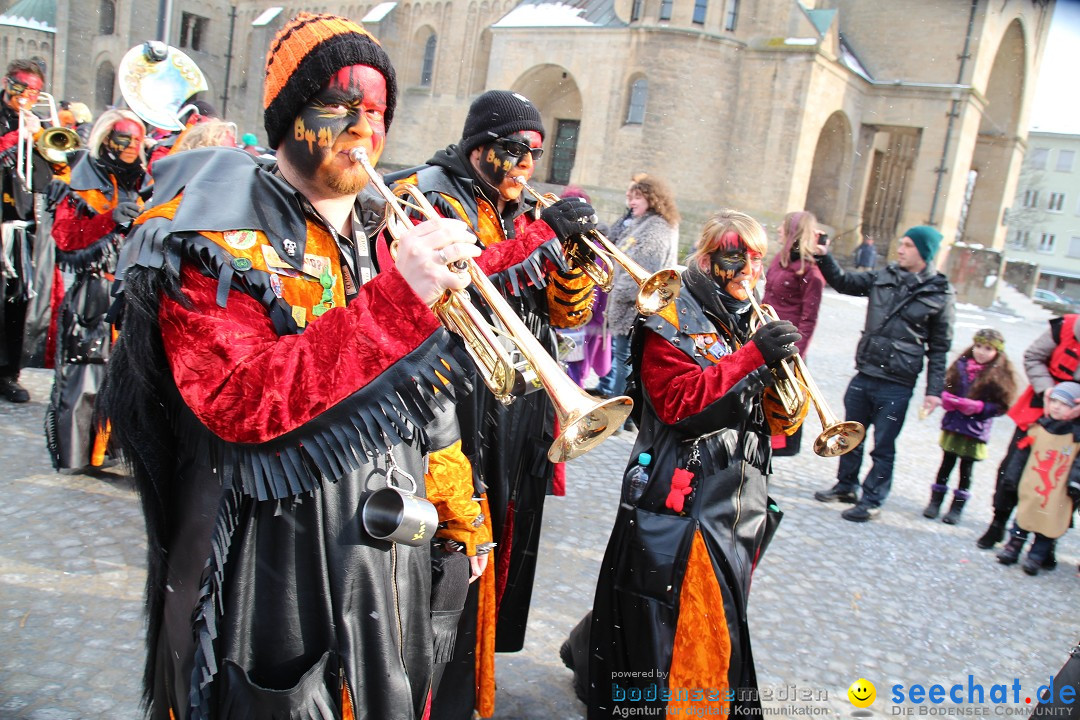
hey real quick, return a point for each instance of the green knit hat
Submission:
(926, 239)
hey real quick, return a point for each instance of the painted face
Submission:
(733, 263)
(349, 111)
(908, 257)
(502, 160)
(636, 202)
(124, 140)
(21, 90)
(983, 353)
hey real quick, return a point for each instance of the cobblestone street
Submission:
(898, 601)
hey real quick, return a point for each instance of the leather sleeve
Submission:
(848, 283)
(679, 388)
(246, 384)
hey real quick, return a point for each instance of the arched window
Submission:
(639, 95)
(427, 70)
(107, 17)
(103, 85)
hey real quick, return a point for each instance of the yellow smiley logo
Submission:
(862, 693)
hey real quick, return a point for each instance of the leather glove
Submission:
(776, 341)
(570, 218)
(969, 406)
(125, 212)
(948, 401)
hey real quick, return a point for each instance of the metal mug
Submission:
(397, 515)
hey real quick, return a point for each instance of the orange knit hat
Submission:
(305, 54)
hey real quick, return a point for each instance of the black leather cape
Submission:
(83, 337)
(507, 445)
(265, 596)
(636, 607)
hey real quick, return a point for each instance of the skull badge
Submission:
(290, 247)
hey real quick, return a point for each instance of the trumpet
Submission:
(795, 388)
(583, 422)
(655, 290)
(56, 142)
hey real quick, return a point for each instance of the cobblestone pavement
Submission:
(898, 601)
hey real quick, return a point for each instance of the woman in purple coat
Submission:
(794, 286)
(979, 386)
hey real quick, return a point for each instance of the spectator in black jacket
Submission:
(909, 317)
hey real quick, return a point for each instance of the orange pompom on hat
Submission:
(307, 52)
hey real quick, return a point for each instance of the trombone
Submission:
(794, 387)
(655, 290)
(53, 141)
(583, 422)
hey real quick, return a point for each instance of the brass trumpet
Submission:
(795, 388)
(583, 422)
(655, 290)
(56, 142)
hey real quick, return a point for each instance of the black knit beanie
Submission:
(496, 114)
(304, 55)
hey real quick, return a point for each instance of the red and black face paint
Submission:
(123, 142)
(732, 263)
(512, 156)
(21, 90)
(353, 93)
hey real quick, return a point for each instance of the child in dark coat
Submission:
(1048, 485)
(979, 386)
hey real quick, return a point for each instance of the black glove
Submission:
(570, 218)
(125, 212)
(8, 157)
(776, 341)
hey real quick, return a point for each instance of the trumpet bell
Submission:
(155, 80)
(55, 143)
(839, 438)
(657, 291)
(583, 429)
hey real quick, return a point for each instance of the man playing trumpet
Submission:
(269, 376)
(21, 87)
(477, 180)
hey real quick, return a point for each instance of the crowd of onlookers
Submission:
(1036, 479)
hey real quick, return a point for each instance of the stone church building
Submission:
(873, 115)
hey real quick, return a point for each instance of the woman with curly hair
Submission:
(648, 237)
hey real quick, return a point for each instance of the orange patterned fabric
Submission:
(302, 291)
(701, 655)
(485, 630)
(449, 483)
(305, 32)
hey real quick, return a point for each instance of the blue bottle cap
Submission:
(644, 458)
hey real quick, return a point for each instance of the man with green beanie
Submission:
(909, 317)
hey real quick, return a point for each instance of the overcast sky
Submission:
(1057, 93)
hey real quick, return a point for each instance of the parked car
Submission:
(1057, 304)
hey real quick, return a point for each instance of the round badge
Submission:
(275, 284)
(241, 264)
(240, 239)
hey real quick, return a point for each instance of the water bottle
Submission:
(638, 478)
